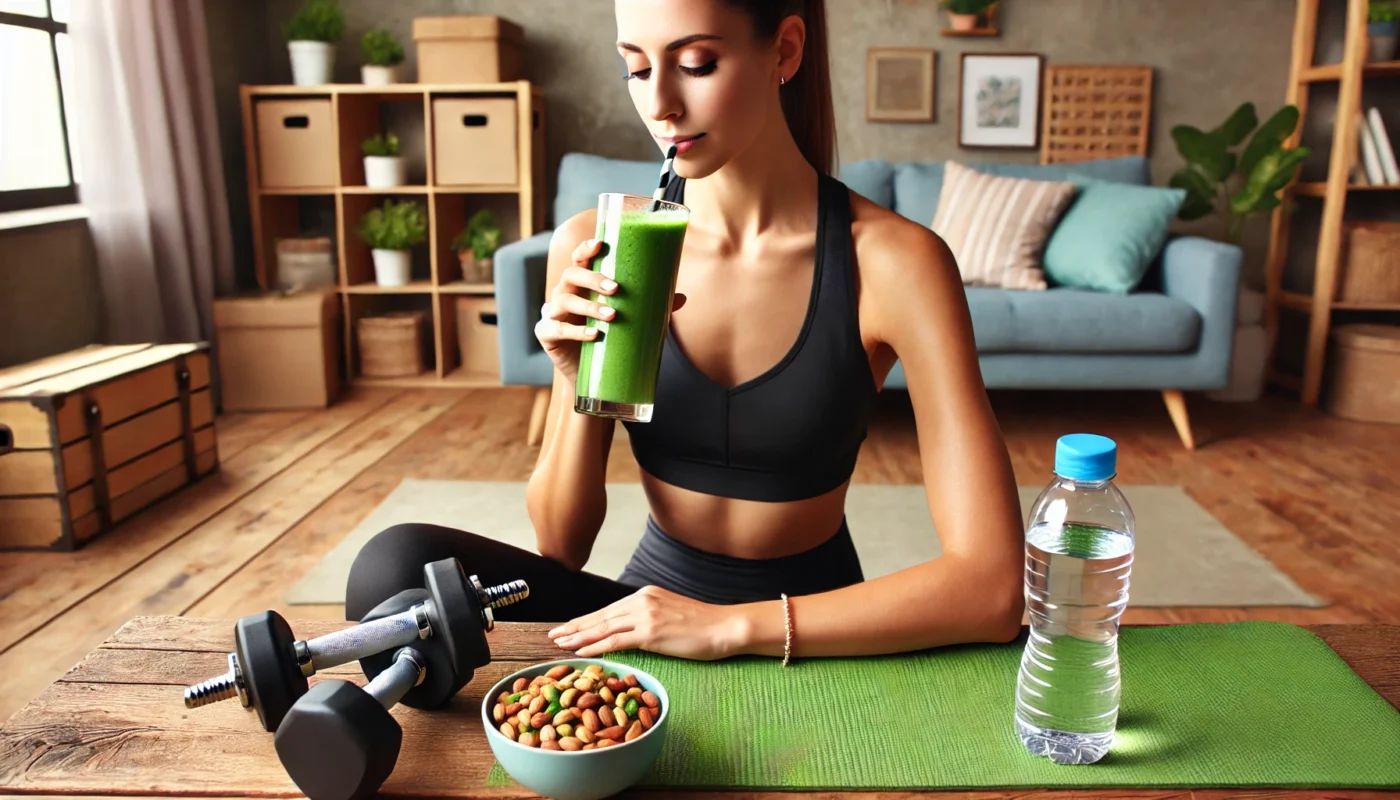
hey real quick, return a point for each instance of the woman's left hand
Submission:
(658, 620)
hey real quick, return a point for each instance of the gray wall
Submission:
(48, 291)
(1210, 57)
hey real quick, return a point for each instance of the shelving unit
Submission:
(1321, 303)
(327, 196)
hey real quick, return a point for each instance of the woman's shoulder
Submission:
(894, 253)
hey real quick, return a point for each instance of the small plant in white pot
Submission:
(311, 37)
(384, 167)
(382, 55)
(391, 231)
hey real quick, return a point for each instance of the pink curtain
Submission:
(152, 181)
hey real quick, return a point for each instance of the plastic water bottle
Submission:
(1079, 552)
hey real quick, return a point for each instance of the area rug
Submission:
(1183, 557)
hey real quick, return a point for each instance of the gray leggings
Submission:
(393, 560)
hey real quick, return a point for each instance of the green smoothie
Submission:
(642, 249)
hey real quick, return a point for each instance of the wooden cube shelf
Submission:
(289, 197)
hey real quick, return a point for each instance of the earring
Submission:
(782, 81)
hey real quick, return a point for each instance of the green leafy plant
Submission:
(397, 225)
(967, 6)
(379, 48)
(1240, 184)
(380, 144)
(316, 21)
(1382, 12)
(482, 235)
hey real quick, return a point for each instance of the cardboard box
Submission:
(467, 48)
(278, 351)
(474, 141)
(94, 435)
(296, 144)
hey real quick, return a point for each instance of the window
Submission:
(37, 167)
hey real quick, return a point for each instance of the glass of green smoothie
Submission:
(641, 251)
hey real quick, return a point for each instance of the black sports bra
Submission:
(794, 431)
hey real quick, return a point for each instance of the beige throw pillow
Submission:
(997, 227)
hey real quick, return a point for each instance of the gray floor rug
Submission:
(1184, 556)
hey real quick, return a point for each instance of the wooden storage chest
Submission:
(96, 434)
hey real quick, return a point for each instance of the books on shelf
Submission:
(1377, 156)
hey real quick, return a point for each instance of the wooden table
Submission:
(116, 723)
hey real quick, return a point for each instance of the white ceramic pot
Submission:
(311, 62)
(379, 76)
(385, 171)
(1248, 366)
(391, 267)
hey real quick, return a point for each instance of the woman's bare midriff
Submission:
(744, 528)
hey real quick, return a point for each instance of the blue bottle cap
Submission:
(1086, 457)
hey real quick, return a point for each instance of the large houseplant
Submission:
(382, 54)
(391, 231)
(311, 37)
(1239, 185)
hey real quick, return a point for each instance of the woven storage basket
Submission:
(391, 344)
(1364, 373)
(1370, 263)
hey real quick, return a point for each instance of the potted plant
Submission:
(391, 231)
(965, 15)
(476, 245)
(382, 55)
(384, 167)
(1382, 25)
(311, 37)
(1240, 185)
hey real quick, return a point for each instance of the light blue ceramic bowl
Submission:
(584, 774)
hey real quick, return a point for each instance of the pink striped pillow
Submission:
(997, 227)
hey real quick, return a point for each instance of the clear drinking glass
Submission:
(641, 250)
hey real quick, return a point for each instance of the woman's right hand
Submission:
(562, 326)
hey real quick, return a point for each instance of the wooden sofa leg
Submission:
(537, 416)
(1176, 406)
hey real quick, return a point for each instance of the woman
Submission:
(794, 298)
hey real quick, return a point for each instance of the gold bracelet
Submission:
(787, 628)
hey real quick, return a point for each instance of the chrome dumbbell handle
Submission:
(389, 686)
(364, 640)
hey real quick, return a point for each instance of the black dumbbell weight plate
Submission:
(263, 643)
(438, 684)
(459, 619)
(338, 743)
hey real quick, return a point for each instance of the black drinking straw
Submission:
(665, 179)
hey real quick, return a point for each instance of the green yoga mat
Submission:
(1206, 705)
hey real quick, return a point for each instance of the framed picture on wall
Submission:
(999, 100)
(899, 84)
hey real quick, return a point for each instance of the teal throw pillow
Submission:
(1111, 233)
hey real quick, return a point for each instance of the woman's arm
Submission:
(566, 497)
(913, 301)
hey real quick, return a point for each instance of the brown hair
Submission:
(806, 96)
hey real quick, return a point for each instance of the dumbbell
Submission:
(269, 666)
(338, 741)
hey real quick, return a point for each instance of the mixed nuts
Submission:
(575, 709)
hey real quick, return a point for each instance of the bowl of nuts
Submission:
(578, 728)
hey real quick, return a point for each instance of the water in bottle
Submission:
(1079, 551)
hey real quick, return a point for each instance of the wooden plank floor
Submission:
(1317, 496)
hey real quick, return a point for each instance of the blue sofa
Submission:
(1172, 334)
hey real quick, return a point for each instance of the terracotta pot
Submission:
(962, 22)
(475, 270)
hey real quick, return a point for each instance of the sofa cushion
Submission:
(1110, 235)
(582, 177)
(917, 184)
(1063, 320)
(997, 226)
